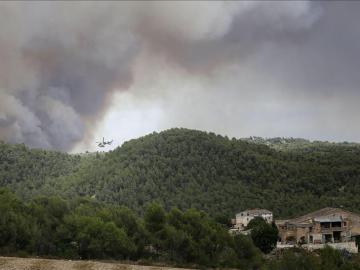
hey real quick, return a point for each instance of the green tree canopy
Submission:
(265, 236)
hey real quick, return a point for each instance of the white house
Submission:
(243, 218)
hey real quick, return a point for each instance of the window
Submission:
(336, 224)
(344, 223)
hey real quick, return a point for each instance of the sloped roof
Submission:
(281, 221)
(328, 219)
(327, 212)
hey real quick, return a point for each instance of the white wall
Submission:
(243, 218)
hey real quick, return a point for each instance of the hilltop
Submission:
(194, 169)
(298, 144)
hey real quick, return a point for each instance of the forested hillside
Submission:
(85, 229)
(26, 170)
(194, 169)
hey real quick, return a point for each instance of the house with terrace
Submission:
(328, 226)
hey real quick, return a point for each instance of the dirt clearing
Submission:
(11, 263)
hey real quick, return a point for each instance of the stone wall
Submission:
(349, 246)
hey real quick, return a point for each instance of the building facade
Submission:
(325, 226)
(243, 218)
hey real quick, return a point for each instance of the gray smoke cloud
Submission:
(61, 62)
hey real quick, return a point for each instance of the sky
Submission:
(74, 72)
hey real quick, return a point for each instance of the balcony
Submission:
(332, 229)
(328, 227)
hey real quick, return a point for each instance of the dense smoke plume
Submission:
(61, 62)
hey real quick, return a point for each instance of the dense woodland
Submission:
(168, 197)
(193, 169)
(87, 229)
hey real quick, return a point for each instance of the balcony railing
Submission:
(333, 229)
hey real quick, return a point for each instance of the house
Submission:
(333, 226)
(243, 218)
